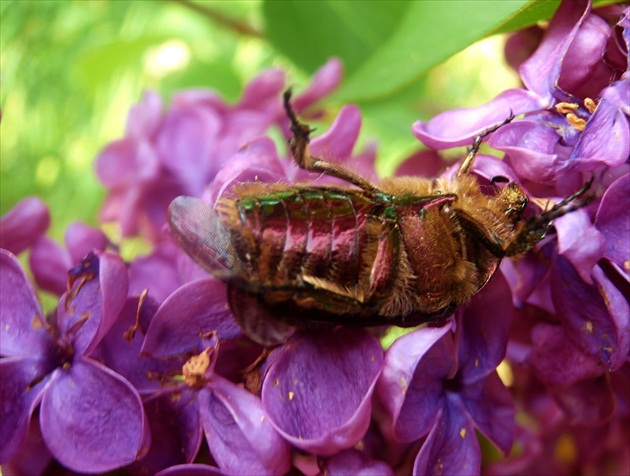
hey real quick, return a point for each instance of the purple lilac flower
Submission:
(166, 154)
(575, 124)
(21, 227)
(90, 417)
(441, 384)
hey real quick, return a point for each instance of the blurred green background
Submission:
(70, 70)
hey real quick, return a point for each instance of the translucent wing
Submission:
(201, 233)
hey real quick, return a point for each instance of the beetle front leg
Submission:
(300, 149)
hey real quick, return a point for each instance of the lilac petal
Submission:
(263, 90)
(424, 163)
(491, 405)
(241, 438)
(24, 380)
(489, 167)
(144, 117)
(90, 308)
(50, 263)
(451, 447)
(125, 161)
(33, 456)
(580, 242)
(587, 402)
(411, 384)
(613, 220)
(121, 352)
(191, 470)
(541, 71)
(583, 72)
(606, 139)
(460, 126)
(557, 361)
(596, 317)
(92, 419)
(175, 432)
(21, 318)
(24, 224)
(317, 390)
(338, 141)
(531, 148)
(81, 238)
(193, 311)
(353, 461)
(324, 81)
(256, 162)
(157, 272)
(185, 144)
(485, 328)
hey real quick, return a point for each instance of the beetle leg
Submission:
(536, 227)
(470, 158)
(300, 150)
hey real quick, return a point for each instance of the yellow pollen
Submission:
(590, 105)
(566, 107)
(626, 264)
(291, 395)
(262, 418)
(576, 122)
(462, 432)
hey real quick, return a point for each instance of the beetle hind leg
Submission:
(299, 145)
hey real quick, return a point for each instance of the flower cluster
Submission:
(142, 361)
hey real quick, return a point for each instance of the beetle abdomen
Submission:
(294, 235)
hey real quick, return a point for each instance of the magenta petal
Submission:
(24, 224)
(175, 432)
(596, 317)
(33, 456)
(587, 402)
(452, 446)
(241, 438)
(157, 272)
(613, 220)
(125, 161)
(185, 144)
(541, 71)
(50, 263)
(256, 162)
(92, 419)
(325, 80)
(98, 295)
(460, 126)
(186, 316)
(491, 406)
(191, 470)
(557, 361)
(606, 138)
(144, 117)
(81, 238)
(353, 461)
(23, 383)
(263, 89)
(317, 390)
(21, 317)
(411, 384)
(338, 141)
(486, 324)
(580, 242)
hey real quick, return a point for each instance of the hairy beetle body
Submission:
(408, 251)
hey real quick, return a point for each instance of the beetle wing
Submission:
(201, 233)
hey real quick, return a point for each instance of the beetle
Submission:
(408, 251)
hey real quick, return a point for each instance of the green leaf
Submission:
(309, 33)
(428, 34)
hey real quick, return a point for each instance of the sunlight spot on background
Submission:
(47, 171)
(170, 56)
